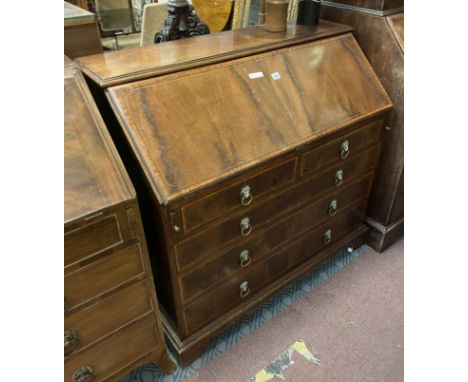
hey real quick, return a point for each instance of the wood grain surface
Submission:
(94, 177)
(193, 128)
(215, 13)
(145, 62)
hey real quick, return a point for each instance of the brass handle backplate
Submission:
(71, 342)
(244, 289)
(244, 258)
(246, 195)
(332, 207)
(245, 226)
(338, 178)
(84, 374)
(327, 236)
(344, 152)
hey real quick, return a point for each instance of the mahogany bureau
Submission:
(253, 155)
(379, 30)
(112, 323)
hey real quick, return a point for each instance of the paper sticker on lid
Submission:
(255, 75)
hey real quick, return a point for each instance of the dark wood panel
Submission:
(206, 244)
(331, 152)
(222, 298)
(116, 352)
(91, 239)
(102, 275)
(94, 177)
(221, 202)
(275, 236)
(307, 103)
(131, 65)
(109, 314)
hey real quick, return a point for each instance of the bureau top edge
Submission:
(120, 67)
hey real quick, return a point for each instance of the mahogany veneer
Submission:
(112, 322)
(251, 171)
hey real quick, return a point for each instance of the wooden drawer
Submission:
(263, 243)
(107, 315)
(222, 201)
(102, 275)
(91, 239)
(227, 295)
(116, 352)
(210, 241)
(330, 152)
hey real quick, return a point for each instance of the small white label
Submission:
(275, 76)
(255, 75)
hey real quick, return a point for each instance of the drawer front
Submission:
(220, 202)
(228, 295)
(102, 275)
(207, 243)
(260, 245)
(116, 352)
(107, 315)
(91, 239)
(331, 152)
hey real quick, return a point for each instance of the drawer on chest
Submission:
(240, 195)
(250, 251)
(241, 226)
(102, 275)
(114, 353)
(91, 239)
(112, 312)
(243, 285)
(342, 148)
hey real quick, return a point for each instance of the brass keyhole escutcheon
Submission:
(245, 226)
(332, 207)
(244, 289)
(246, 195)
(327, 236)
(244, 258)
(338, 178)
(344, 152)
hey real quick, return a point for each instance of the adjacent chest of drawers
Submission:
(251, 171)
(112, 322)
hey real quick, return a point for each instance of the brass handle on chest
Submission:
(84, 374)
(327, 236)
(332, 207)
(244, 289)
(71, 342)
(246, 195)
(344, 150)
(245, 226)
(244, 258)
(338, 178)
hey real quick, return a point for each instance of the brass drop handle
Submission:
(246, 195)
(84, 374)
(244, 258)
(245, 226)
(327, 236)
(71, 341)
(344, 150)
(338, 178)
(244, 289)
(332, 207)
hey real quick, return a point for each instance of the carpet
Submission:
(250, 323)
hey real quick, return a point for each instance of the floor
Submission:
(349, 328)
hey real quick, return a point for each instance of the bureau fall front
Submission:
(253, 156)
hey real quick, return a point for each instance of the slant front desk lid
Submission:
(94, 176)
(140, 63)
(193, 128)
